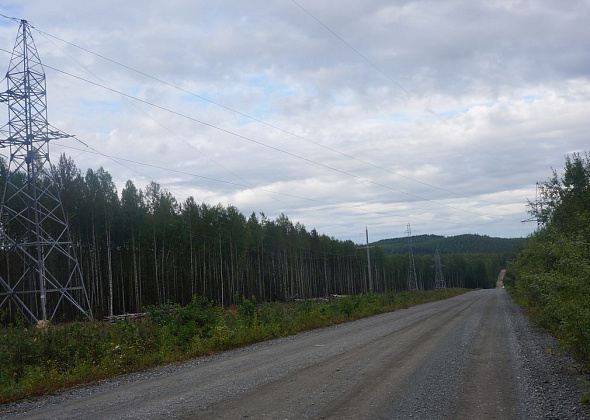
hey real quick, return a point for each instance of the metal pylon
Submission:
(39, 272)
(412, 278)
(439, 280)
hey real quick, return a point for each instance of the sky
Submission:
(342, 115)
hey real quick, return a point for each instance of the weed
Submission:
(35, 361)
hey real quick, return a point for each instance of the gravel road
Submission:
(473, 356)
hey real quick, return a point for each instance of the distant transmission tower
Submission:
(537, 210)
(439, 280)
(39, 272)
(412, 279)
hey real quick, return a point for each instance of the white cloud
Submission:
(480, 100)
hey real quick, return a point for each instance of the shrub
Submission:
(39, 361)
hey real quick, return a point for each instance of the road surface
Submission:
(467, 357)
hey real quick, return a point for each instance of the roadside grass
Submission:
(549, 279)
(40, 361)
(559, 305)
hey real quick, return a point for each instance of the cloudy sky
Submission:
(340, 114)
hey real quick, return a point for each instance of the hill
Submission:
(469, 243)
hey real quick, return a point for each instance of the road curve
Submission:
(461, 358)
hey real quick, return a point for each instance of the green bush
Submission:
(37, 361)
(550, 276)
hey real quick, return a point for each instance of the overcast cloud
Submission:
(442, 114)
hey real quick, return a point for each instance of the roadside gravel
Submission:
(549, 385)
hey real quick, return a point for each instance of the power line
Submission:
(387, 76)
(400, 86)
(118, 160)
(294, 155)
(258, 120)
(143, 175)
(17, 20)
(314, 200)
(167, 129)
(259, 142)
(158, 122)
(271, 147)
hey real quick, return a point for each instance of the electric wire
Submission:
(261, 143)
(265, 145)
(236, 184)
(141, 174)
(400, 86)
(273, 126)
(387, 76)
(116, 160)
(253, 140)
(17, 20)
(182, 139)
(249, 139)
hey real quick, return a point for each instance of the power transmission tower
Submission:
(369, 262)
(412, 279)
(439, 280)
(369, 273)
(39, 272)
(536, 209)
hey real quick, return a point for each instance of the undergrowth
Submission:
(40, 361)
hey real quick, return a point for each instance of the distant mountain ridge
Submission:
(468, 243)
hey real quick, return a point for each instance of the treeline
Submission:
(468, 243)
(143, 247)
(551, 274)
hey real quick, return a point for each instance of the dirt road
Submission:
(464, 358)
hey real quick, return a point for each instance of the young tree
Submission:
(133, 212)
(566, 199)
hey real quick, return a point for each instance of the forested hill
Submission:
(470, 243)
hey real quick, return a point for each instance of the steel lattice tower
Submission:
(39, 272)
(439, 280)
(412, 279)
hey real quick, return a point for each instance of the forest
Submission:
(467, 243)
(142, 247)
(550, 276)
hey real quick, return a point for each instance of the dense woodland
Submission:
(143, 247)
(551, 274)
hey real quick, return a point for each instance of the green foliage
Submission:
(460, 244)
(153, 249)
(37, 361)
(565, 201)
(551, 274)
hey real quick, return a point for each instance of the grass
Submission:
(41, 361)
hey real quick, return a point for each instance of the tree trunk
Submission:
(135, 275)
(110, 268)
